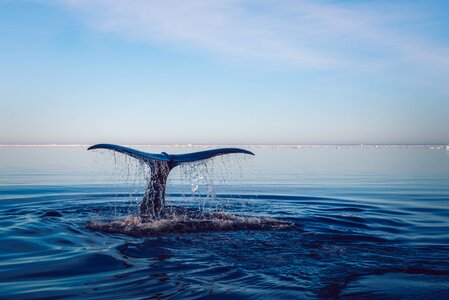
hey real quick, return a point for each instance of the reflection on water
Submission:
(366, 222)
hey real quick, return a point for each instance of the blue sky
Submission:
(225, 71)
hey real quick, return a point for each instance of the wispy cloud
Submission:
(309, 34)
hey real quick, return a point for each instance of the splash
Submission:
(185, 222)
(202, 209)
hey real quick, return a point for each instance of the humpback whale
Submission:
(160, 166)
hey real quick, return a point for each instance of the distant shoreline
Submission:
(290, 146)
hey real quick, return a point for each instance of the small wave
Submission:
(187, 221)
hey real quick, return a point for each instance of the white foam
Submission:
(187, 222)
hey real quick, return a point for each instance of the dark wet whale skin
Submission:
(153, 200)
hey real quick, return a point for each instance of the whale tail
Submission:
(160, 165)
(172, 159)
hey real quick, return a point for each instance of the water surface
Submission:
(368, 222)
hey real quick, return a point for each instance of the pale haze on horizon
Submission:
(224, 72)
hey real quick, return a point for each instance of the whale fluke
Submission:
(160, 165)
(173, 159)
(131, 152)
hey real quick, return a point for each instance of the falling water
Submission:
(197, 209)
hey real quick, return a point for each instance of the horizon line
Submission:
(229, 144)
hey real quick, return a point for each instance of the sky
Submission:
(224, 72)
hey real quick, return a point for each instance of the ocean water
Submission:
(365, 222)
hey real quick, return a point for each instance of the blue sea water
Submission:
(368, 222)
